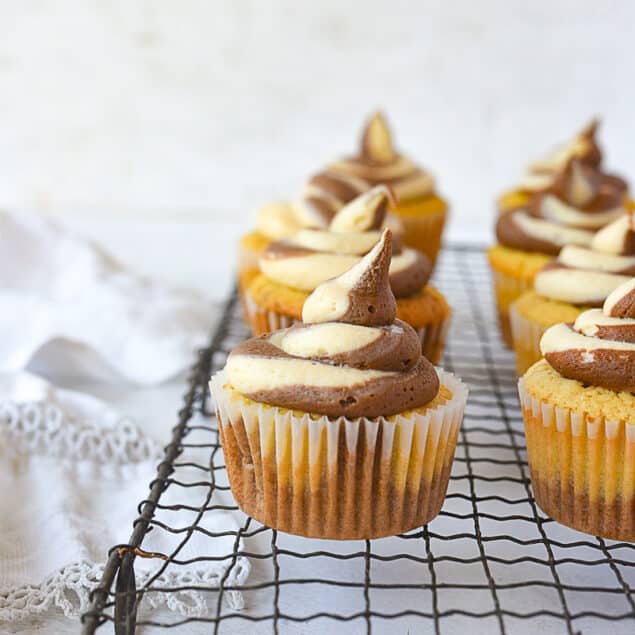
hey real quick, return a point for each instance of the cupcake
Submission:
(579, 202)
(420, 213)
(579, 410)
(293, 267)
(339, 427)
(580, 278)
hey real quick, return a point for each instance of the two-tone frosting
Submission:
(350, 357)
(584, 147)
(325, 193)
(599, 348)
(587, 276)
(581, 201)
(312, 256)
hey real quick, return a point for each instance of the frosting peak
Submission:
(599, 348)
(583, 146)
(377, 162)
(311, 256)
(579, 202)
(365, 213)
(351, 357)
(376, 142)
(361, 295)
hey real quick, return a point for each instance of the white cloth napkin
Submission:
(72, 473)
(72, 469)
(67, 307)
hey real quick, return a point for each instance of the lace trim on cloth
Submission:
(69, 591)
(42, 427)
(50, 429)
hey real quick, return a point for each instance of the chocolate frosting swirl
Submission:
(350, 358)
(584, 147)
(325, 193)
(599, 348)
(579, 202)
(586, 276)
(310, 257)
(378, 162)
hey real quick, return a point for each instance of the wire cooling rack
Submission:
(491, 562)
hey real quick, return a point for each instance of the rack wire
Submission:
(491, 562)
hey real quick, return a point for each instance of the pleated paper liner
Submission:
(526, 336)
(507, 290)
(338, 478)
(582, 468)
(423, 232)
(248, 269)
(262, 320)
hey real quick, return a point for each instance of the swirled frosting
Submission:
(312, 256)
(580, 201)
(541, 174)
(350, 357)
(586, 276)
(326, 192)
(599, 348)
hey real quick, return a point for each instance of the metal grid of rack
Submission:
(491, 562)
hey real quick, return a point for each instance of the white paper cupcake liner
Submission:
(507, 290)
(338, 478)
(526, 338)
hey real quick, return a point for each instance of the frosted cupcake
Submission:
(579, 410)
(339, 427)
(292, 268)
(577, 204)
(419, 215)
(578, 279)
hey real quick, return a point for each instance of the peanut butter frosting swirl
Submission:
(570, 211)
(350, 357)
(325, 193)
(584, 147)
(312, 256)
(599, 348)
(587, 276)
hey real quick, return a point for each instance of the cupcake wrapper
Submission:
(248, 269)
(433, 339)
(507, 289)
(424, 233)
(342, 479)
(582, 468)
(262, 321)
(526, 336)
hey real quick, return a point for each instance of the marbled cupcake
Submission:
(418, 214)
(577, 203)
(579, 410)
(293, 267)
(580, 278)
(339, 427)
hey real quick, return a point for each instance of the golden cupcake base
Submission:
(513, 274)
(423, 221)
(581, 452)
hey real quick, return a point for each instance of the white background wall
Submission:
(159, 108)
